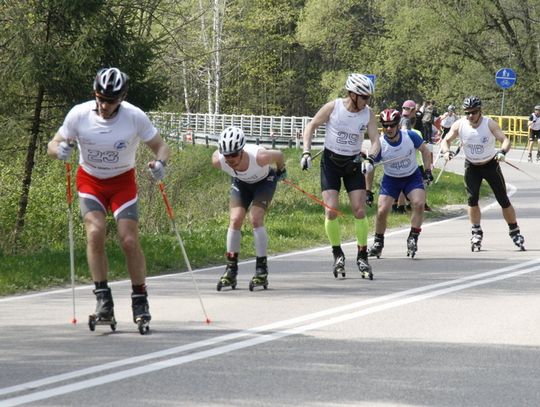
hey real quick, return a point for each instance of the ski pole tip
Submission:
(208, 321)
(74, 321)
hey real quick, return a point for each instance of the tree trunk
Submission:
(29, 167)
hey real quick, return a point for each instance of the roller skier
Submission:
(401, 175)
(478, 135)
(254, 181)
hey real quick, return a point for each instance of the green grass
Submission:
(199, 196)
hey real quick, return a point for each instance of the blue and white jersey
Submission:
(405, 148)
(345, 130)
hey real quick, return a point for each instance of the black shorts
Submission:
(260, 193)
(335, 167)
(492, 173)
(534, 135)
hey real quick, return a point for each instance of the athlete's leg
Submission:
(128, 234)
(418, 200)
(95, 226)
(384, 206)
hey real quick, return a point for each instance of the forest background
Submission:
(263, 57)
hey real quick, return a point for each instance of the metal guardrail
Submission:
(199, 128)
(276, 131)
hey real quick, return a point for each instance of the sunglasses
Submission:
(102, 99)
(364, 97)
(389, 125)
(471, 113)
(233, 155)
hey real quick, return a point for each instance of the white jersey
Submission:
(405, 166)
(448, 121)
(478, 144)
(536, 122)
(254, 172)
(107, 147)
(345, 130)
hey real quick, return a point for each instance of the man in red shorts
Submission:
(107, 131)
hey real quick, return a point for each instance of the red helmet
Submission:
(389, 117)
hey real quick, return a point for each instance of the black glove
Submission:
(281, 174)
(369, 198)
(429, 177)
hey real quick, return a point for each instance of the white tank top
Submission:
(254, 172)
(345, 130)
(448, 121)
(405, 166)
(479, 143)
(536, 122)
(107, 147)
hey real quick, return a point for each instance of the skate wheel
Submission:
(363, 276)
(91, 323)
(265, 286)
(412, 255)
(378, 256)
(522, 248)
(233, 286)
(335, 274)
(370, 276)
(219, 286)
(251, 286)
(342, 274)
(143, 327)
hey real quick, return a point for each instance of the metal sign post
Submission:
(505, 78)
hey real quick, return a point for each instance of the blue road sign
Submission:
(372, 78)
(505, 78)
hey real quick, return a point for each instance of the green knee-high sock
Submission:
(333, 231)
(361, 226)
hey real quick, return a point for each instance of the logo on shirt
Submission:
(120, 145)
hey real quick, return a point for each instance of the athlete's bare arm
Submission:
(321, 117)
(373, 134)
(215, 160)
(499, 135)
(268, 157)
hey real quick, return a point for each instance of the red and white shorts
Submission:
(119, 194)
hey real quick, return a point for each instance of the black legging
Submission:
(491, 172)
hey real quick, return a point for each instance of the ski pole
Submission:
(69, 197)
(313, 197)
(526, 148)
(318, 154)
(440, 173)
(390, 160)
(171, 216)
(519, 169)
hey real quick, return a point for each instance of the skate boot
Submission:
(476, 240)
(339, 264)
(518, 240)
(228, 279)
(412, 245)
(363, 266)
(104, 314)
(141, 312)
(378, 245)
(261, 274)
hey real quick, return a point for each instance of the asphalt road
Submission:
(448, 328)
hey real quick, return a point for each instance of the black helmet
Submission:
(111, 83)
(471, 102)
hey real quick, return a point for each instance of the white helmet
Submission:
(359, 84)
(231, 140)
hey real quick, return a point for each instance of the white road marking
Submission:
(389, 301)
